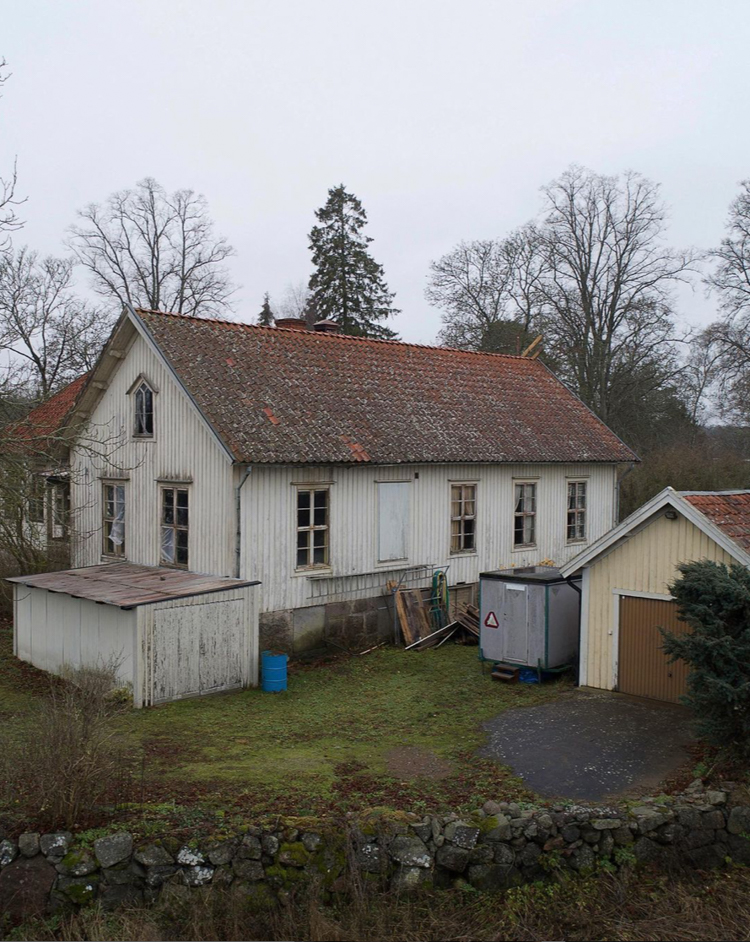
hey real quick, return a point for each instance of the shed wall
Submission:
(52, 630)
(646, 563)
(180, 642)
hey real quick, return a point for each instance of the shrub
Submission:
(714, 600)
(73, 760)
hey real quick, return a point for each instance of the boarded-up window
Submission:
(463, 518)
(524, 517)
(174, 526)
(312, 527)
(393, 521)
(576, 511)
(113, 520)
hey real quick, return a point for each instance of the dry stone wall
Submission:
(502, 845)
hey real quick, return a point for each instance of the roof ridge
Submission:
(330, 336)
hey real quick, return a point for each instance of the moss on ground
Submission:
(323, 745)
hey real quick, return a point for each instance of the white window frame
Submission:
(462, 517)
(577, 482)
(122, 552)
(523, 482)
(311, 528)
(174, 526)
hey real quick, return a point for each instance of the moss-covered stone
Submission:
(293, 854)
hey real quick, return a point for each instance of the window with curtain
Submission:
(174, 526)
(524, 515)
(113, 520)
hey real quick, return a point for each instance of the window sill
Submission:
(312, 571)
(525, 547)
(463, 554)
(576, 542)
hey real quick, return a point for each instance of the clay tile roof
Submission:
(48, 418)
(295, 396)
(728, 510)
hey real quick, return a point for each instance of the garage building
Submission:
(625, 586)
(171, 633)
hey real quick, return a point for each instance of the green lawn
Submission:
(393, 728)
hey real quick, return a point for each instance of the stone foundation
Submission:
(501, 845)
(303, 632)
(353, 625)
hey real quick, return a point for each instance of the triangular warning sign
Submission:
(491, 621)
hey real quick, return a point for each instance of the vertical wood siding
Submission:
(268, 524)
(647, 562)
(194, 646)
(643, 668)
(182, 450)
(55, 630)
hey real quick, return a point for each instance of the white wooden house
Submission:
(324, 466)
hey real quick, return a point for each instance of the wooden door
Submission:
(644, 669)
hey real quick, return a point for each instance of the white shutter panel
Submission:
(393, 521)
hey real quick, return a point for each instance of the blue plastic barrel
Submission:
(274, 671)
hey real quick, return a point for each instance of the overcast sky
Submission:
(444, 118)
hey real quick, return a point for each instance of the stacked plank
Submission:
(467, 622)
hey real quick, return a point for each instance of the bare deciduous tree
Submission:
(485, 286)
(9, 200)
(155, 250)
(728, 339)
(609, 277)
(593, 275)
(49, 336)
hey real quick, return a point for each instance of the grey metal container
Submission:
(529, 617)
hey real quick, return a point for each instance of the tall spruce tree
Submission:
(714, 600)
(348, 285)
(266, 318)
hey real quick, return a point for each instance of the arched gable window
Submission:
(144, 410)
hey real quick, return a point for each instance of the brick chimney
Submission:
(291, 323)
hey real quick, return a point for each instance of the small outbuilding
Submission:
(626, 576)
(172, 634)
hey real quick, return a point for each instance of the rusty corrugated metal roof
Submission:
(728, 510)
(127, 585)
(295, 396)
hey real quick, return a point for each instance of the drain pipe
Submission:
(238, 511)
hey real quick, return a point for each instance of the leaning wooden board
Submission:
(412, 615)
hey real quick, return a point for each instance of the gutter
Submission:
(238, 512)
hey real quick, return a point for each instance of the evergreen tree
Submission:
(714, 600)
(348, 285)
(265, 318)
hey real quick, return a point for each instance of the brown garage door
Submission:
(644, 669)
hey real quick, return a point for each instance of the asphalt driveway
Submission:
(590, 746)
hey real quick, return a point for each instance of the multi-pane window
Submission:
(463, 518)
(524, 515)
(36, 499)
(113, 520)
(312, 527)
(576, 511)
(174, 526)
(144, 411)
(60, 510)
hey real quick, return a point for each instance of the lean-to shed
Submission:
(172, 634)
(626, 576)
